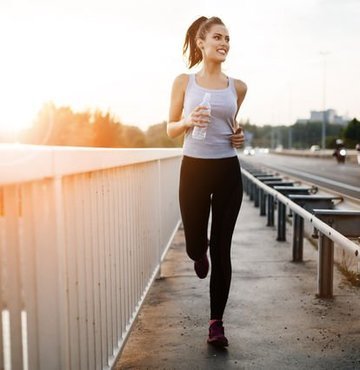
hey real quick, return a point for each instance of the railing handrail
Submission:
(324, 228)
(23, 163)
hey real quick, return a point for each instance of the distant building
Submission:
(329, 115)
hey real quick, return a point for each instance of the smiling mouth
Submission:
(221, 51)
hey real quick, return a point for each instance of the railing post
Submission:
(11, 280)
(298, 235)
(270, 210)
(256, 196)
(281, 227)
(159, 220)
(245, 183)
(247, 186)
(252, 190)
(262, 197)
(50, 274)
(325, 267)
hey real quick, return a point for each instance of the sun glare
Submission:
(41, 66)
(74, 63)
(24, 74)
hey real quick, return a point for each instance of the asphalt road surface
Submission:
(343, 178)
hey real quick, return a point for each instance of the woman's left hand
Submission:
(238, 138)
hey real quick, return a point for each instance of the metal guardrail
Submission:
(319, 219)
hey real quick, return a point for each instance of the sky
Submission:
(122, 56)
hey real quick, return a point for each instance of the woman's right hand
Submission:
(200, 116)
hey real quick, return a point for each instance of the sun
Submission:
(24, 75)
(17, 115)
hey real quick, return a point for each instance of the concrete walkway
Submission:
(273, 319)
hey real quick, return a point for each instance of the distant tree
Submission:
(156, 137)
(107, 132)
(331, 141)
(352, 133)
(59, 126)
(262, 136)
(306, 134)
(45, 127)
(62, 126)
(80, 131)
(133, 137)
(302, 135)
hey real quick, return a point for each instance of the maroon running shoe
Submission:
(201, 267)
(216, 335)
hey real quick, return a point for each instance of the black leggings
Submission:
(215, 184)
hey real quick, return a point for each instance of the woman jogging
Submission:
(204, 107)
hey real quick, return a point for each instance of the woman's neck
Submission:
(210, 70)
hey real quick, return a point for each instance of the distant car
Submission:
(314, 148)
(263, 150)
(249, 150)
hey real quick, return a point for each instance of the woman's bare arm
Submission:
(176, 124)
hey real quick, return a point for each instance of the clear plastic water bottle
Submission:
(199, 133)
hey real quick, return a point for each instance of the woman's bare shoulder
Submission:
(181, 80)
(240, 86)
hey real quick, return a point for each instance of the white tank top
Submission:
(217, 143)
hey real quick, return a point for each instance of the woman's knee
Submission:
(196, 250)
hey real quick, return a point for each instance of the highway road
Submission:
(343, 178)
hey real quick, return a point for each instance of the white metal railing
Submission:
(82, 235)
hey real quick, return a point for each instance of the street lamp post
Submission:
(323, 130)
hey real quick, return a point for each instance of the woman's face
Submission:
(216, 45)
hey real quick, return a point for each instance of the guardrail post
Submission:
(298, 235)
(252, 190)
(270, 210)
(247, 185)
(256, 196)
(262, 202)
(244, 182)
(325, 267)
(281, 227)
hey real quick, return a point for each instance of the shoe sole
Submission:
(217, 342)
